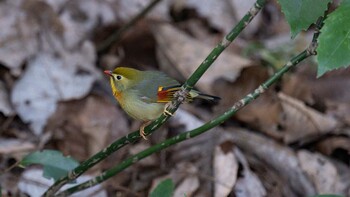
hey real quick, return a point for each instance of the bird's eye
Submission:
(119, 77)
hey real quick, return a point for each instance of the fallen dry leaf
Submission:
(150, 161)
(177, 50)
(96, 120)
(14, 146)
(204, 144)
(299, 121)
(5, 106)
(56, 5)
(280, 158)
(218, 13)
(49, 79)
(222, 15)
(225, 169)
(126, 9)
(330, 145)
(328, 93)
(321, 171)
(263, 113)
(80, 18)
(33, 183)
(18, 34)
(248, 184)
(187, 187)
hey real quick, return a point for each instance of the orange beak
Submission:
(108, 72)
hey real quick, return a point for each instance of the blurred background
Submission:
(292, 141)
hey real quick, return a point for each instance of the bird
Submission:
(145, 95)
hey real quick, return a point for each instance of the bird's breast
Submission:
(138, 109)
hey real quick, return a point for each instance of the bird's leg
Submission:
(166, 112)
(142, 129)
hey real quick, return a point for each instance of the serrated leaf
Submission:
(163, 189)
(55, 164)
(300, 14)
(334, 41)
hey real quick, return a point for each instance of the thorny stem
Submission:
(132, 137)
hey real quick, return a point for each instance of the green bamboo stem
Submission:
(311, 50)
(115, 37)
(132, 137)
(190, 134)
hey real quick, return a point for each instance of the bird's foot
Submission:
(166, 112)
(142, 129)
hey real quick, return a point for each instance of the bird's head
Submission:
(123, 78)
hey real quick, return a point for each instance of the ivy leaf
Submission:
(55, 164)
(334, 41)
(300, 14)
(163, 189)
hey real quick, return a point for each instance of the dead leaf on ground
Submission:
(149, 161)
(204, 144)
(17, 34)
(177, 50)
(49, 79)
(322, 173)
(94, 119)
(328, 93)
(33, 183)
(248, 184)
(56, 5)
(81, 17)
(263, 113)
(187, 187)
(5, 106)
(336, 146)
(299, 121)
(15, 148)
(225, 169)
(280, 158)
(126, 9)
(221, 13)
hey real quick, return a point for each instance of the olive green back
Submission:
(148, 86)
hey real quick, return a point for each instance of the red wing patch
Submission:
(166, 94)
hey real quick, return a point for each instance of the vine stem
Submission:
(311, 50)
(132, 137)
(190, 134)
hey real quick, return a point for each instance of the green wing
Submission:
(152, 80)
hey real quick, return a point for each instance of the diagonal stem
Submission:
(190, 134)
(132, 137)
(311, 50)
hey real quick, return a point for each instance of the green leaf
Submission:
(300, 14)
(163, 189)
(327, 195)
(333, 49)
(55, 164)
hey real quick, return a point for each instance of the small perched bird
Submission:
(144, 95)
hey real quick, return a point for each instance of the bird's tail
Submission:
(166, 94)
(196, 94)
